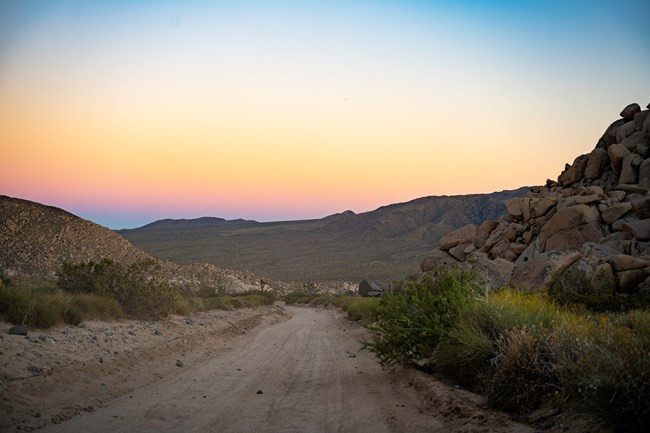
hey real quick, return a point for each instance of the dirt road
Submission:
(304, 374)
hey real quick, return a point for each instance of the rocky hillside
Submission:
(383, 244)
(37, 239)
(592, 224)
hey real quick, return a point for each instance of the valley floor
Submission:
(274, 369)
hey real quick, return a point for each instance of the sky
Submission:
(125, 112)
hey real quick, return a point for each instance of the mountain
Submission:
(383, 243)
(37, 239)
(195, 223)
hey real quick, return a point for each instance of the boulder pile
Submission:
(595, 221)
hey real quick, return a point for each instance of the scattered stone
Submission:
(18, 330)
(179, 363)
(259, 392)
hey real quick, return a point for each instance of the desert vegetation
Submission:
(109, 290)
(358, 309)
(520, 350)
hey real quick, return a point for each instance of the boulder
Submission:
(641, 207)
(462, 235)
(639, 119)
(629, 169)
(587, 274)
(499, 249)
(513, 206)
(597, 163)
(571, 227)
(643, 149)
(540, 206)
(629, 111)
(483, 233)
(614, 212)
(634, 140)
(644, 173)
(574, 172)
(536, 273)
(496, 273)
(629, 281)
(370, 288)
(436, 258)
(638, 229)
(18, 330)
(631, 189)
(234, 285)
(609, 137)
(624, 262)
(459, 251)
(625, 131)
(531, 251)
(616, 153)
(505, 231)
(617, 195)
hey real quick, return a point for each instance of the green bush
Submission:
(93, 307)
(363, 310)
(230, 302)
(41, 308)
(574, 289)
(502, 345)
(298, 298)
(136, 287)
(412, 322)
(604, 369)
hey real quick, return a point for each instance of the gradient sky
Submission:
(124, 112)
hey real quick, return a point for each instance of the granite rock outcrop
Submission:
(595, 220)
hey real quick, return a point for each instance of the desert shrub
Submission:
(230, 302)
(466, 352)
(574, 289)
(298, 297)
(522, 374)
(363, 310)
(135, 287)
(93, 307)
(605, 366)
(503, 344)
(36, 307)
(412, 322)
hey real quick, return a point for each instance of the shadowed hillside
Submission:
(384, 243)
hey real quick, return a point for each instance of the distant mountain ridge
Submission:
(344, 246)
(194, 222)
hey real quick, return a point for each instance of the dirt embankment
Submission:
(273, 369)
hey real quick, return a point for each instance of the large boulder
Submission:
(436, 258)
(536, 273)
(571, 227)
(616, 153)
(598, 162)
(496, 273)
(462, 235)
(575, 172)
(371, 288)
(629, 111)
(235, 285)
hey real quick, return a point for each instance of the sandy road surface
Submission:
(312, 377)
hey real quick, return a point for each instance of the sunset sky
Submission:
(124, 112)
